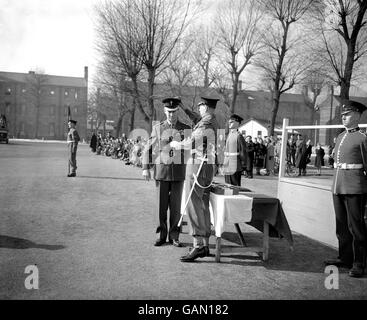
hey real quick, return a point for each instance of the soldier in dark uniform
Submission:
(235, 152)
(349, 191)
(202, 143)
(72, 140)
(169, 171)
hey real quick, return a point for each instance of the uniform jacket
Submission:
(234, 153)
(73, 139)
(350, 148)
(203, 139)
(168, 164)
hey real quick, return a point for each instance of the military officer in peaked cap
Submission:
(72, 140)
(349, 191)
(202, 144)
(169, 171)
(235, 152)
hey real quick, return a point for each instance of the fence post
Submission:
(283, 153)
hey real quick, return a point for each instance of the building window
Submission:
(65, 110)
(7, 108)
(66, 92)
(8, 91)
(52, 92)
(22, 131)
(52, 129)
(23, 109)
(259, 133)
(52, 110)
(24, 90)
(75, 110)
(243, 133)
(76, 94)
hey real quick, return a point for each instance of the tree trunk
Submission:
(274, 111)
(235, 92)
(118, 125)
(132, 118)
(151, 78)
(137, 101)
(37, 120)
(349, 63)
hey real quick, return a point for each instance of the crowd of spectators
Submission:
(124, 149)
(262, 154)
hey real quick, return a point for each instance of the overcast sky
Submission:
(56, 36)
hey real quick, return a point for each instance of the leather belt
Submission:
(231, 154)
(348, 166)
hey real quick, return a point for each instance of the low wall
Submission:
(309, 209)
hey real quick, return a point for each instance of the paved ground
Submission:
(91, 237)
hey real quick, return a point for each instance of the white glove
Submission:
(146, 174)
(175, 144)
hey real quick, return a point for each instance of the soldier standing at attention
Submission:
(72, 140)
(235, 152)
(169, 171)
(202, 144)
(349, 191)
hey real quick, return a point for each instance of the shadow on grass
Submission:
(111, 178)
(307, 255)
(18, 243)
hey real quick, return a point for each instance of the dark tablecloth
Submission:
(269, 209)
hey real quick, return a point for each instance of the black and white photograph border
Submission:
(91, 235)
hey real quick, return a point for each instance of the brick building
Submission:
(36, 104)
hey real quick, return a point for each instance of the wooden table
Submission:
(267, 216)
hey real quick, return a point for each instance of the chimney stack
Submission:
(86, 73)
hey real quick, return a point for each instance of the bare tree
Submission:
(281, 63)
(342, 29)
(36, 91)
(205, 48)
(238, 37)
(120, 41)
(313, 83)
(163, 23)
(146, 31)
(180, 68)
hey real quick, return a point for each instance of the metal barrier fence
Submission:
(286, 127)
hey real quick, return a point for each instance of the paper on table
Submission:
(229, 209)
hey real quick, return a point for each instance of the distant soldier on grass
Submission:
(72, 140)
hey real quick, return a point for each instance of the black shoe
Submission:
(194, 254)
(207, 252)
(72, 175)
(357, 270)
(338, 263)
(206, 249)
(176, 243)
(159, 242)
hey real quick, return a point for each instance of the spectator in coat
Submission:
(93, 142)
(260, 155)
(250, 155)
(319, 160)
(303, 155)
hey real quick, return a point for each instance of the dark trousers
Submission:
(72, 157)
(234, 179)
(350, 227)
(169, 197)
